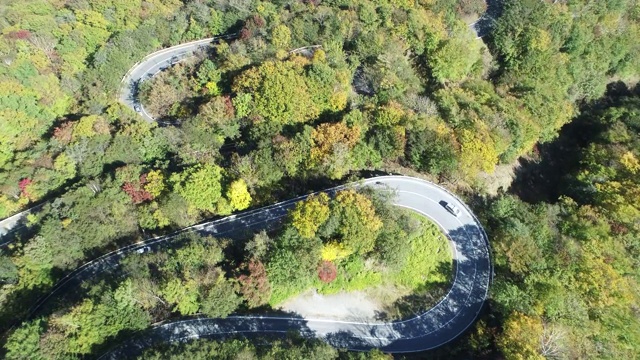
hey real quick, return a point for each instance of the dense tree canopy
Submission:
(303, 95)
(566, 273)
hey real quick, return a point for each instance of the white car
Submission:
(452, 209)
(143, 250)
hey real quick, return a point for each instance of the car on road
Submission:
(143, 250)
(137, 107)
(452, 209)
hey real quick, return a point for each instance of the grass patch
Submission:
(430, 255)
(284, 291)
(353, 275)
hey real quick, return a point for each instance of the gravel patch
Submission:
(353, 305)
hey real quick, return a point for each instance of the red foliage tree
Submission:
(136, 190)
(251, 26)
(20, 34)
(255, 286)
(245, 33)
(64, 132)
(23, 186)
(327, 271)
(229, 110)
(259, 21)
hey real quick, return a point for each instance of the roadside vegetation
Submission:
(330, 244)
(291, 348)
(264, 117)
(407, 252)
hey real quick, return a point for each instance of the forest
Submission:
(306, 95)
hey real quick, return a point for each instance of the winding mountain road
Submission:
(435, 327)
(153, 63)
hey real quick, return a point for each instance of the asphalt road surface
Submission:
(153, 64)
(436, 326)
(483, 26)
(162, 59)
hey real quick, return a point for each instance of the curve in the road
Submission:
(153, 64)
(165, 58)
(437, 326)
(433, 328)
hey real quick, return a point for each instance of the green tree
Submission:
(184, 294)
(359, 224)
(445, 61)
(221, 299)
(207, 77)
(35, 264)
(432, 151)
(200, 186)
(91, 323)
(8, 270)
(259, 245)
(279, 91)
(24, 342)
(258, 169)
(65, 166)
(292, 264)
(293, 153)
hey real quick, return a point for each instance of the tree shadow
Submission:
(545, 175)
(422, 298)
(486, 22)
(274, 325)
(107, 268)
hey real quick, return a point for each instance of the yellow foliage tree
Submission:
(335, 251)
(308, 215)
(8, 207)
(326, 136)
(90, 126)
(281, 37)
(477, 152)
(599, 282)
(359, 223)
(630, 162)
(155, 183)
(520, 339)
(622, 200)
(161, 219)
(238, 195)
(390, 114)
(331, 149)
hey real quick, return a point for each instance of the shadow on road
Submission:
(423, 330)
(273, 325)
